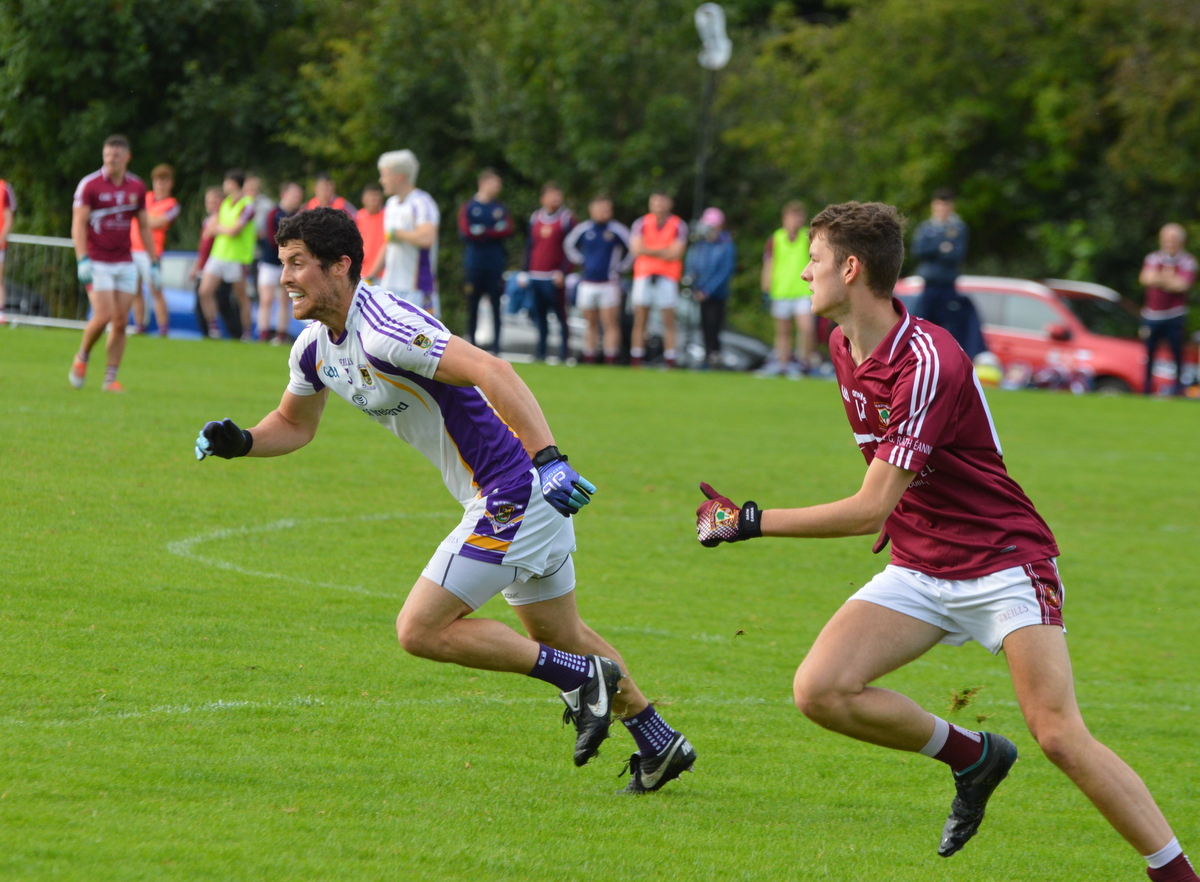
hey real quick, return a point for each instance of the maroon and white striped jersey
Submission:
(113, 209)
(915, 402)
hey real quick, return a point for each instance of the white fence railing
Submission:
(40, 281)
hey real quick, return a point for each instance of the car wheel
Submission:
(1112, 386)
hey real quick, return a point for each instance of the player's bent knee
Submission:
(818, 699)
(1062, 745)
(415, 639)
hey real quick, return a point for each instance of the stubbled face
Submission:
(312, 289)
(661, 205)
(1171, 238)
(552, 200)
(600, 211)
(115, 159)
(825, 278)
(372, 201)
(793, 221)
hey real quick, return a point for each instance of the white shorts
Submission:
(121, 276)
(268, 277)
(597, 295)
(226, 270)
(657, 291)
(986, 609)
(141, 261)
(518, 537)
(791, 307)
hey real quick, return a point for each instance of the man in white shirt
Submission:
(410, 228)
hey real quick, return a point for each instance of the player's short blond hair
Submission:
(402, 162)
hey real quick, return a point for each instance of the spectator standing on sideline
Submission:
(162, 208)
(657, 241)
(410, 229)
(940, 244)
(8, 205)
(224, 304)
(105, 205)
(710, 263)
(369, 220)
(270, 267)
(325, 196)
(1167, 274)
(263, 206)
(484, 223)
(544, 266)
(601, 247)
(784, 258)
(232, 254)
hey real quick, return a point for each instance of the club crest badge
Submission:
(722, 515)
(422, 342)
(504, 516)
(885, 413)
(367, 379)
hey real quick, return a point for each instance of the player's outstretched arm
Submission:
(465, 365)
(285, 429)
(719, 520)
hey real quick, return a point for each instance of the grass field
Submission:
(201, 678)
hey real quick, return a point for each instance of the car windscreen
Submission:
(1103, 316)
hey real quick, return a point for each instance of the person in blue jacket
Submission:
(710, 263)
(940, 246)
(484, 223)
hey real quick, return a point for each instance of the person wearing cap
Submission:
(710, 263)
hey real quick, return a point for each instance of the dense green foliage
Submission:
(202, 679)
(1070, 129)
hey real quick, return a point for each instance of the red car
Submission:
(1062, 324)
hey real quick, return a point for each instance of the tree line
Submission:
(1070, 130)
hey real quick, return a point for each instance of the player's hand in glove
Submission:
(719, 520)
(223, 439)
(83, 269)
(564, 488)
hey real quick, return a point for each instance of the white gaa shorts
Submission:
(510, 541)
(122, 277)
(791, 307)
(986, 609)
(226, 270)
(141, 261)
(658, 291)
(597, 295)
(268, 277)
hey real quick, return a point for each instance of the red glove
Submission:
(719, 520)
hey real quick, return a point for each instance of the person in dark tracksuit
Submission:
(940, 246)
(484, 223)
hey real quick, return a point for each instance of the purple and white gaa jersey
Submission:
(384, 364)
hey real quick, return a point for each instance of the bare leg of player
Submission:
(285, 313)
(103, 309)
(161, 313)
(591, 337)
(239, 291)
(266, 299)
(783, 342)
(638, 344)
(208, 300)
(860, 644)
(610, 318)
(668, 320)
(806, 339)
(1041, 672)
(557, 623)
(114, 348)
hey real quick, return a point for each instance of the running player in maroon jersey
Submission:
(971, 557)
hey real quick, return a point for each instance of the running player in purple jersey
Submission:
(971, 557)
(471, 415)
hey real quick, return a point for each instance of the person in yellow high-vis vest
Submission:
(784, 259)
(657, 241)
(232, 253)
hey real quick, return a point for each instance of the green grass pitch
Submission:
(200, 676)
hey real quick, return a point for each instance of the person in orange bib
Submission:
(162, 208)
(325, 196)
(658, 241)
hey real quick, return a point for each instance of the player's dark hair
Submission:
(116, 141)
(600, 197)
(488, 172)
(374, 188)
(943, 194)
(236, 174)
(328, 233)
(325, 176)
(795, 206)
(871, 231)
(550, 185)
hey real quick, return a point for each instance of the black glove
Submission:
(223, 439)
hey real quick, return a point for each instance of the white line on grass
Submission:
(186, 548)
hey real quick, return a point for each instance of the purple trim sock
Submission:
(565, 670)
(650, 731)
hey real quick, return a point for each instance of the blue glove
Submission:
(155, 275)
(83, 268)
(563, 487)
(223, 439)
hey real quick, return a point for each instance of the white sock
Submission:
(941, 731)
(1165, 855)
(669, 354)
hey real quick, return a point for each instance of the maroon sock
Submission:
(1178, 870)
(963, 749)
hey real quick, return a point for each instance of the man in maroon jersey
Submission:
(544, 264)
(971, 558)
(1167, 274)
(106, 202)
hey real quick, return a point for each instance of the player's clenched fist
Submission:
(719, 520)
(223, 439)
